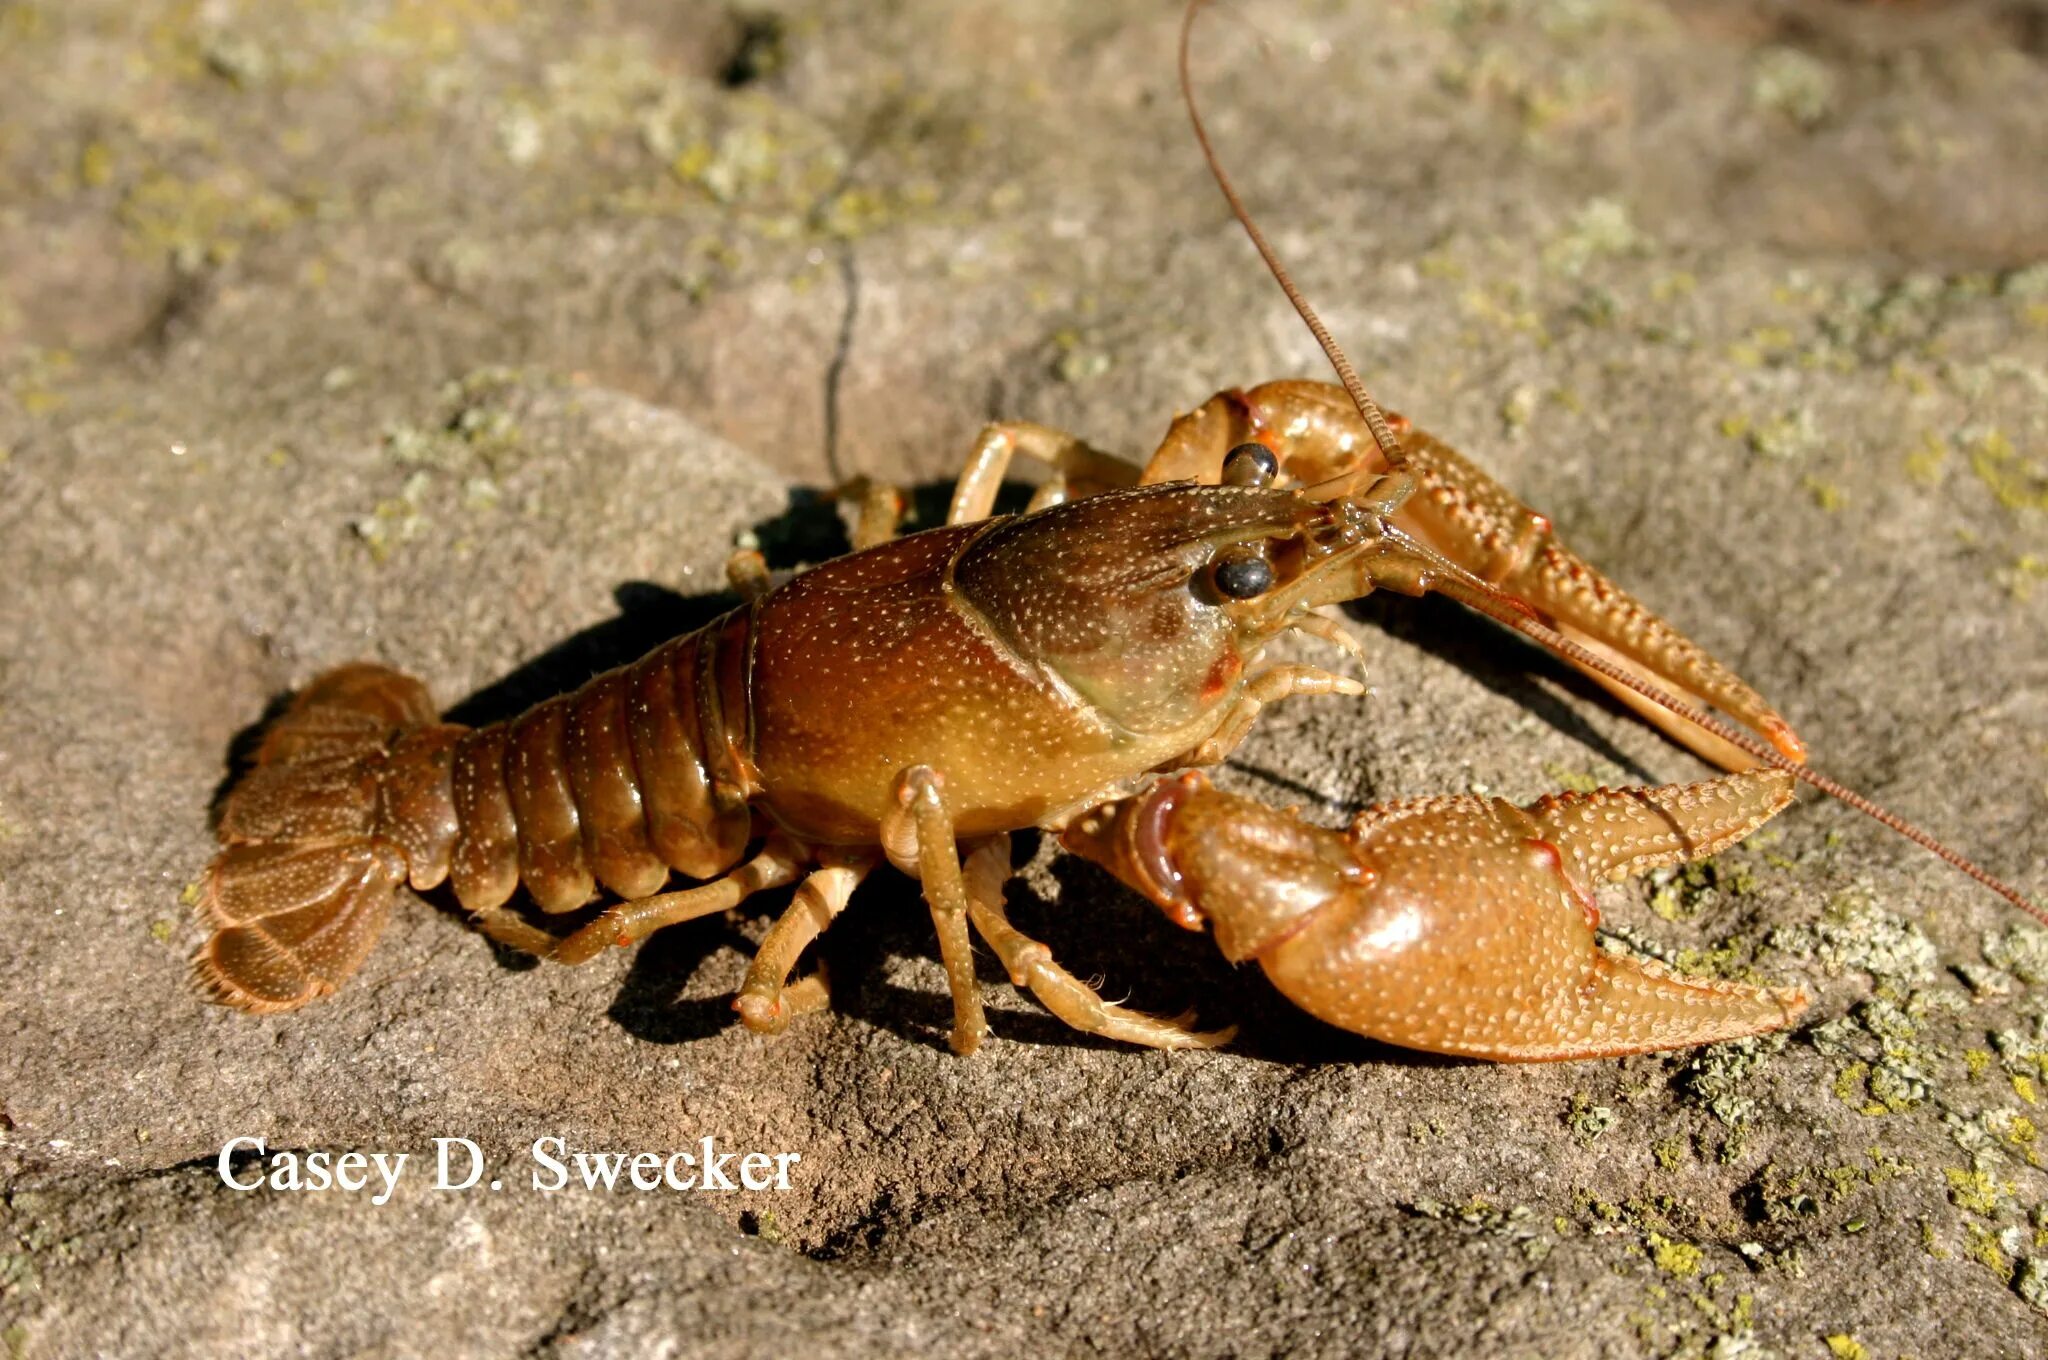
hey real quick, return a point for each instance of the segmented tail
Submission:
(312, 853)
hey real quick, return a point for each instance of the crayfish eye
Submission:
(1250, 465)
(1242, 576)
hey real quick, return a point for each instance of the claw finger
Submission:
(1472, 519)
(1613, 834)
(1638, 1006)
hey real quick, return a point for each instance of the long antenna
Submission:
(1504, 608)
(1507, 610)
(1382, 432)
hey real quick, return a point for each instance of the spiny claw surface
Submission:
(1458, 925)
(1468, 516)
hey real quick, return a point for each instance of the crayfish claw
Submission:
(1472, 932)
(1460, 925)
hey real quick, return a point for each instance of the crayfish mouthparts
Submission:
(1459, 925)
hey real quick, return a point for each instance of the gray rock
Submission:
(470, 336)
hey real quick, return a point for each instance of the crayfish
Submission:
(927, 695)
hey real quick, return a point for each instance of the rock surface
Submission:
(469, 335)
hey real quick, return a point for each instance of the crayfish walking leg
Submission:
(768, 1001)
(1031, 965)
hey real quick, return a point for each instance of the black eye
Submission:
(1243, 578)
(1250, 465)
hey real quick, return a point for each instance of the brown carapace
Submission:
(923, 697)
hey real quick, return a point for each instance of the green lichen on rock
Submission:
(2020, 482)
(1684, 891)
(1974, 1191)
(1789, 1196)
(2019, 949)
(201, 221)
(1891, 1064)
(2024, 1053)
(1733, 958)
(455, 462)
(2019, 1133)
(1926, 459)
(1826, 494)
(2030, 1282)
(1794, 84)
(1515, 1223)
(1715, 1077)
(1671, 1153)
(1851, 1087)
(1574, 780)
(1896, 1087)
(395, 520)
(1856, 933)
(1988, 1248)
(1601, 230)
(1586, 1120)
(2020, 578)
(1681, 1259)
(1781, 436)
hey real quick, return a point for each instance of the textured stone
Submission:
(469, 336)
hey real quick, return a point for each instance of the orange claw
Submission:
(1465, 514)
(1473, 520)
(1458, 925)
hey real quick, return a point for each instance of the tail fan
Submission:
(304, 882)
